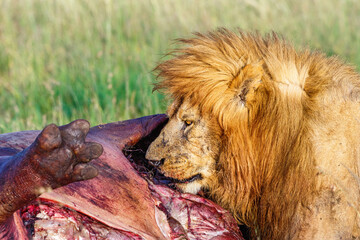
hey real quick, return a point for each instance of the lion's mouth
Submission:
(187, 180)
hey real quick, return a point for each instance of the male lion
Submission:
(271, 133)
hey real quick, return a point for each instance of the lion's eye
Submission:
(188, 122)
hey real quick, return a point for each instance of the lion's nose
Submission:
(157, 163)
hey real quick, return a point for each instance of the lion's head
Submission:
(241, 123)
(187, 148)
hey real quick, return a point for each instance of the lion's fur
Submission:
(268, 100)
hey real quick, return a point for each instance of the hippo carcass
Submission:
(118, 203)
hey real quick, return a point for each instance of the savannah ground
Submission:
(66, 59)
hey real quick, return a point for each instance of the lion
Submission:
(269, 132)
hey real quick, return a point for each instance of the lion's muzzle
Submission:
(157, 163)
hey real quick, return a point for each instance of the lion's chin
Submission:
(192, 187)
(189, 185)
(187, 180)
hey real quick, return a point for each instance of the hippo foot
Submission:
(60, 155)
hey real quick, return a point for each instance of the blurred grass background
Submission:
(66, 59)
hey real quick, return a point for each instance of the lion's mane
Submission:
(266, 166)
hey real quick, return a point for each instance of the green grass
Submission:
(66, 59)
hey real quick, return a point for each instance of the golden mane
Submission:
(266, 160)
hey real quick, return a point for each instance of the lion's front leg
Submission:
(57, 157)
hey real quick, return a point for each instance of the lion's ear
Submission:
(246, 83)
